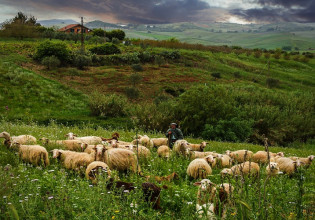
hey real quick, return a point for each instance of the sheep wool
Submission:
(181, 147)
(197, 154)
(286, 165)
(262, 156)
(33, 154)
(88, 139)
(93, 169)
(198, 147)
(157, 142)
(200, 168)
(240, 155)
(21, 139)
(224, 161)
(242, 169)
(305, 161)
(164, 151)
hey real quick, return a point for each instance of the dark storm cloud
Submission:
(279, 10)
(133, 11)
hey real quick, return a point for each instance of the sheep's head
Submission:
(273, 166)
(5, 135)
(311, 157)
(297, 163)
(15, 145)
(204, 185)
(44, 140)
(228, 152)
(226, 172)
(99, 149)
(83, 146)
(281, 154)
(71, 136)
(203, 145)
(56, 153)
(209, 159)
(113, 143)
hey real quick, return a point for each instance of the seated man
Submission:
(174, 134)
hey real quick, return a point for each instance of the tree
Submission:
(119, 34)
(98, 32)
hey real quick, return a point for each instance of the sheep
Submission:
(119, 185)
(142, 151)
(181, 147)
(22, 139)
(34, 154)
(93, 169)
(164, 151)
(262, 156)
(197, 154)
(118, 159)
(115, 136)
(91, 148)
(151, 194)
(242, 169)
(73, 145)
(168, 178)
(87, 139)
(224, 161)
(157, 142)
(288, 166)
(145, 141)
(200, 168)
(304, 161)
(205, 198)
(198, 147)
(225, 191)
(61, 154)
(272, 169)
(77, 160)
(240, 155)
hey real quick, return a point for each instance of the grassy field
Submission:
(28, 192)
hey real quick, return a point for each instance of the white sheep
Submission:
(22, 139)
(272, 169)
(181, 147)
(88, 139)
(286, 165)
(224, 161)
(34, 154)
(240, 155)
(200, 168)
(242, 169)
(61, 154)
(73, 145)
(198, 147)
(305, 161)
(262, 156)
(142, 151)
(93, 170)
(164, 151)
(157, 142)
(78, 160)
(145, 141)
(197, 154)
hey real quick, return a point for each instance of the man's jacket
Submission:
(177, 134)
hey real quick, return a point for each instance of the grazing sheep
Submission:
(197, 154)
(93, 170)
(142, 151)
(118, 159)
(22, 139)
(272, 169)
(287, 166)
(262, 156)
(34, 154)
(157, 142)
(306, 161)
(181, 147)
(168, 178)
(240, 155)
(145, 141)
(200, 168)
(205, 198)
(88, 139)
(91, 148)
(78, 160)
(224, 161)
(225, 191)
(242, 169)
(151, 194)
(198, 147)
(73, 145)
(164, 151)
(61, 154)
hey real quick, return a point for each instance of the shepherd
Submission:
(174, 134)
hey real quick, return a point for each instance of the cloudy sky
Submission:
(164, 11)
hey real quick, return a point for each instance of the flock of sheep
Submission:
(97, 154)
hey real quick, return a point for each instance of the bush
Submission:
(272, 83)
(48, 48)
(146, 57)
(172, 55)
(159, 60)
(51, 62)
(135, 78)
(105, 105)
(115, 40)
(105, 49)
(132, 92)
(119, 34)
(257, 53)
(81, 60)
(137, 67)
(267, 55)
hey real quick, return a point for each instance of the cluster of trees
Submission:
(118, 34)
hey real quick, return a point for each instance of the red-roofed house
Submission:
(75, 28)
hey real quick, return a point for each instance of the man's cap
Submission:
(174, 124)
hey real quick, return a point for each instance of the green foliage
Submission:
(172, 55)
(105, 49)
(81, 60)
(61, 35)
(159, 60)
(137, 67)
(98, 32)
(51, 62)
(107, 105)
(119, 34)
(132, 92)
(57, 49)
(115, 40)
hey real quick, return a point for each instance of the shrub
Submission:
(172, 55)
(105, 49)
(137, 67)
(146, 57)
(51, 62)
(272, 83)
(132, 92)
(115, 40)
(267, 55)
(135, 78)
(81, 60)
(216, 75)
(130, 58)
(119, 34)
(305, 59)
(48, 48)
(257, 53)
(61, 35)
(159, 60)
(105, 105)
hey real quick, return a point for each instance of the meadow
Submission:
(28, 192)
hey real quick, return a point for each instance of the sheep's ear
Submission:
(197, 183)
(67, 135)
(74, 135)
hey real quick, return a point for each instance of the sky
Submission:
(164, 11)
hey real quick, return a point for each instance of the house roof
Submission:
(71, 26)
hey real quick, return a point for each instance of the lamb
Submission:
(93, 170)
(198, 147)
(200, 168)
(205, 198)
(262, 156)
(157, 142)
(304, 161)
(118, 158)
(224, 161)
(22, 139)
(164, 151)
(168, 178)
(240, 155)
(181, 147)
(33, 154)
(73, 145)
(145, 141)
(272, 169)
(242, 169)
(287, 166)
(87, 139)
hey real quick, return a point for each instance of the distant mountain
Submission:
(101, 24)
(57, 22)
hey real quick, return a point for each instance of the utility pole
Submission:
(82, 37)
(104, 34)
